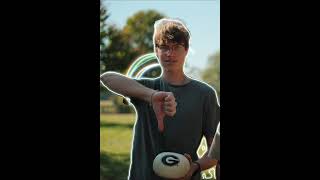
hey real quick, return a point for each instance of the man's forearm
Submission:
(125, 86)
(206, 162)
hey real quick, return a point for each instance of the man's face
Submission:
(171, 56)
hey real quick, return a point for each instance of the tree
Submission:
(139, 30)
(103, 34)
(126, 45)
(117, 53)
(211, 73)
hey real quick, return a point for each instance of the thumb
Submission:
(160, 117)
(158, 108)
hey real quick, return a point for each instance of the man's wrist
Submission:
(151, 96)
(196, 167)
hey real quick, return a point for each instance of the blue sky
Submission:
(201, 17)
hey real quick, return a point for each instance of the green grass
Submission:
(115, 146)
(116, 133)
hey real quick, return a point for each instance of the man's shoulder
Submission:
(206, 89)
(203, 86)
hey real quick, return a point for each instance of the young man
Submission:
(174, 111)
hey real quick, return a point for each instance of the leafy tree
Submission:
(211, 74)
(127, 44)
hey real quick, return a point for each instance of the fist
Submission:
(163, 103)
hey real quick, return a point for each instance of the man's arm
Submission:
(163, 103)
(209, 159)
(201, 164)
(205, 162)
(212, 156)
(125, 86)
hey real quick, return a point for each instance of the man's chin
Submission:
(168, 68)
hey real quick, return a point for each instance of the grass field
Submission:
(115, 145)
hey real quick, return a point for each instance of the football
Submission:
(171, 165)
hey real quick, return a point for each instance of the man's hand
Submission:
(163, 103)
(193, 168)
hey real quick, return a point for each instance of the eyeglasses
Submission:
(174, 48)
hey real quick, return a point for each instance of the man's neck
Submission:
(175, 78)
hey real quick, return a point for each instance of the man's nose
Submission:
(170, 52)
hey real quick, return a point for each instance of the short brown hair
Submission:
(170, 30)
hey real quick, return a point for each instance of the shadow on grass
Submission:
(104, 125)
(114, 166)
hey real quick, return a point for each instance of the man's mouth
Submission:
(169, 61)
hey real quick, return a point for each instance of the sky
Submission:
(201, 17)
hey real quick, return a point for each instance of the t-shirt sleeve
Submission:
(211, 114)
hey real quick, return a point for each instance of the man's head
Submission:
(171, 43)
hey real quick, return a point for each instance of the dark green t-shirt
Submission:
(197, 115)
